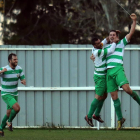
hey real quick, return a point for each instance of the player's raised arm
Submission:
(132, 30)
(105, 41)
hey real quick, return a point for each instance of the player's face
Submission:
(112, 36)
(14, 61)
(98, 44)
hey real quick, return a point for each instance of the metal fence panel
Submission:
(66, 68)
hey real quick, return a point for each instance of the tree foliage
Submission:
(45, 22)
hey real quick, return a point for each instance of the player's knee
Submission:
(17, 108)
(98, 97)
(8, 114)
(114, 96)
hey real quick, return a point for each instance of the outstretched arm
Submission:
(132, 30)
(113, 46)
(105, 41)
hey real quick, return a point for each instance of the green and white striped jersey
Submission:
(9, 80)
(100, 58)
(116, 58)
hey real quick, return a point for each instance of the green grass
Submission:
(70, 134)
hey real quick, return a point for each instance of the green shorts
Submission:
(10, 100)
(116, 77)
(100, 84)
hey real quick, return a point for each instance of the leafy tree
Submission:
(44, 22)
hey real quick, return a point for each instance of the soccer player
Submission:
(99, 77)
(115, 71)
(10, 75)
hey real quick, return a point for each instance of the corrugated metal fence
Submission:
(60, 86)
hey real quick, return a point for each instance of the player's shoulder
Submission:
(123, 41)
(18, 67)
(7, 67)
(95, 51)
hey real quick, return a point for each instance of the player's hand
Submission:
(4, 70)
(133, 16)
(92, 57)
(107, 38)
(118, 31)
(23, 82)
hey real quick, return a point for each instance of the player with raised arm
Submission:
(115, 72)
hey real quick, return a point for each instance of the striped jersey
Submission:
(116, 58)
(100, 58)
(9, 80)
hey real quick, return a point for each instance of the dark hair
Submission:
(94, 40)
(10, 56)
(114, 31)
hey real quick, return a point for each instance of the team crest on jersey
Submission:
(17, 75)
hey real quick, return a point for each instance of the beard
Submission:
(101, 47)
(14, 64)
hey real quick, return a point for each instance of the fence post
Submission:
(112, 114)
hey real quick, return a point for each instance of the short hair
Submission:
(115, 32)
(94, 40)
(10, 56)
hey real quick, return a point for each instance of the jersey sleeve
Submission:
(123, 42)
(100, 52)
(22, 76)
(104, 42)
(111, 49)
(105, 51)
(1, 70)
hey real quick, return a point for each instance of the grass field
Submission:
(70, 134)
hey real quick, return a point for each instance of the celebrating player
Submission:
(99, 77)
(115, 71)
(10, 75)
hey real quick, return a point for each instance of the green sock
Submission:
(117, 105)
(93, 106)
(3, 124)
(99, 107)
(12, 115)
(135, 96)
